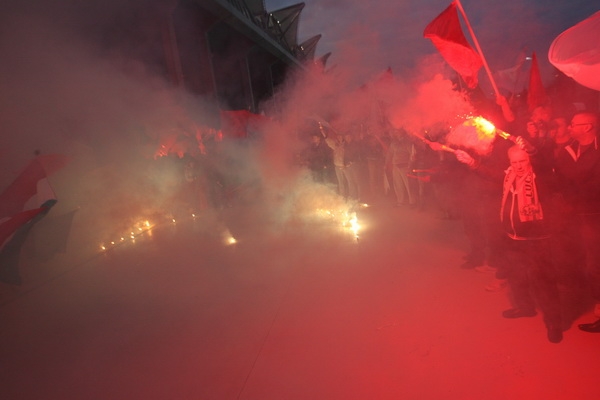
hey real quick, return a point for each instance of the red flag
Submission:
(536, 94)
(447, 36)
(30, 182)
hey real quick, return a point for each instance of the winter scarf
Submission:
(525, 191)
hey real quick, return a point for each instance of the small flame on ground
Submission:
(141, 228)
(354, 225)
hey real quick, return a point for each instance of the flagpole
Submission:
(476, 42)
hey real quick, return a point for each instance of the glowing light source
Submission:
(476, 133)
(486, 128)
(483, 126)
(348, 221)
(354, 226)
(138, 229)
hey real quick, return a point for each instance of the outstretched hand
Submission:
(435, 146)
(464, 157)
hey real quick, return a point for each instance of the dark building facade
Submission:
(233, 52)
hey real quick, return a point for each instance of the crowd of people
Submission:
(530, 206)
(372, 167)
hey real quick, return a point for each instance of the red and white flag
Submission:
(447, 36)
(24, 202)
(576, 52)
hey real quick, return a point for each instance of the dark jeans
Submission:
(482, 227)
(532, 278)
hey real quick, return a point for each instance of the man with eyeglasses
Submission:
(577, 166)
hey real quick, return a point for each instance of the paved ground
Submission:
(301, 311)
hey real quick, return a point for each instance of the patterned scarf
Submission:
(525, 190)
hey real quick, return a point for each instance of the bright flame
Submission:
(138, 229)
(476, 133)
(347, 220)
(485, 128)
(228, 237)
(354, 226)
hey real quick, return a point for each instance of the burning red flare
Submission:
(476, 133)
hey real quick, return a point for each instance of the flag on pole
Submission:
(22, 204)
(536, 93)
(447, 36)
(51, 236)
(514, 79)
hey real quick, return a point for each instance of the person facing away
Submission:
(318, 158)
(399, 156)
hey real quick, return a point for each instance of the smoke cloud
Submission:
(70, 85)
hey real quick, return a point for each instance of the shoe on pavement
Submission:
(593, 327)
(497, 285)
(518, 313)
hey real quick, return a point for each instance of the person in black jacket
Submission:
(578, 169)
(527, 218)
